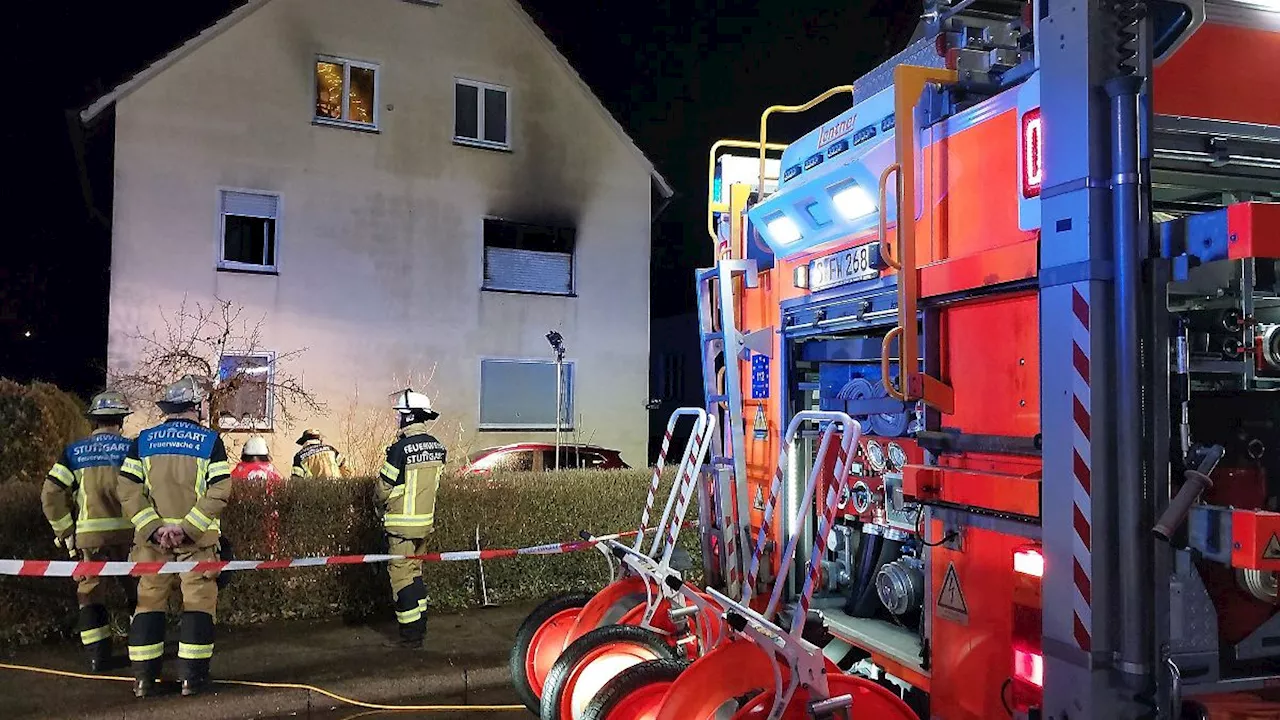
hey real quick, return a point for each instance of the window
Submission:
(244, 400)
(346, 93)
(480, 115)
(248, 230)
(509, 461)
(528, 258)
(572, 457)
(521, 395)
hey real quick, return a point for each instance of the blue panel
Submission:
(1203, 237)
(759, 377)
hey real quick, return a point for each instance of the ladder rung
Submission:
(712, 336)
(722, 462)
(713, 399)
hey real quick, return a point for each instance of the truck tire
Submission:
(537, 630)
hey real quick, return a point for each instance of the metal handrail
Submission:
(711, 175)
(909, 82)
(764, 120)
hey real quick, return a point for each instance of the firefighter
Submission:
(80, 501)
(174, 484)
(318, 459)
(406, 497)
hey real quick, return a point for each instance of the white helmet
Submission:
(413, 403)
(186, 391)
(256, 445)
(108, 403)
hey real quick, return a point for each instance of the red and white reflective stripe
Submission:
(1081, 470)
(775, 493)
(829, 507)
(69, 568)
(653, 484)
(686, 485)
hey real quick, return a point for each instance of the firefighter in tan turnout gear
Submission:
(406, 496)
(174, 484)
(80, 501)
(318, 459)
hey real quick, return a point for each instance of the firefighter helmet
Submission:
(187, 391)
(256, 445)
(309, 434)
(107, 404)
(415, 404)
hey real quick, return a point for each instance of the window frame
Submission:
(267, 424)
(220, 236)
(573, 261)
(347, 64)
(480, 142)
(567, 424)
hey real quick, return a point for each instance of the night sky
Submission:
(678, 74)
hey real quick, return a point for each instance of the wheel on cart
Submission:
(539, 641)
(870, 700)
(609, 606)
(636, 693)
(594, 659)
(706, 623)
(718, 684)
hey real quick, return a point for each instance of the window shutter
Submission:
(522, 394)
(249, 204)
(528, 270)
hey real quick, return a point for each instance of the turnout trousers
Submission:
(407, 588)
(91, 592)
(199, 601)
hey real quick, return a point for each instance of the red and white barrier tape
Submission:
(70, 568)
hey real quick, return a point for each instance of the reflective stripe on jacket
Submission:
(409, 481)
(318, 460)
(80, 497)
(175, 473)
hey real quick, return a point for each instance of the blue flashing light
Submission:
(813, 161)
(837, 148)
(791, 173)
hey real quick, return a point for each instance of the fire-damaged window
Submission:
(243, 399)
(527, 258)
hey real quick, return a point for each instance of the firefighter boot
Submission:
(146, 650)
(95, 635)
(195, 649)
(409, 617)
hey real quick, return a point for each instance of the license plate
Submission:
(843, 267)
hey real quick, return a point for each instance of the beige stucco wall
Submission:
(380, 250)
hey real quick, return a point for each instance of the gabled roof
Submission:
(229, 20)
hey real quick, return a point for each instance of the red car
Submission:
(541, 456)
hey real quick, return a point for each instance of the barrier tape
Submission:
(71, 568)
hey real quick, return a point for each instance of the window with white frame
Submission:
(244, 399)
(521, 257)
(247, 225)
(480, 114)
(521, 395)
(346, 92)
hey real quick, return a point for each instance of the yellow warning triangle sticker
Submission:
(951, 604)
(1272, 551)
(759, 501)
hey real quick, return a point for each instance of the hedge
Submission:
(36, 422)
(336, 517)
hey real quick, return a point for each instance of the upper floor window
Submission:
(528, 258)
(480, 115)
(346, 93)
(247, 230)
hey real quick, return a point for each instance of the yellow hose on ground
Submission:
(282, 686)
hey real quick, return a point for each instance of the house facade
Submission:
(414, 192)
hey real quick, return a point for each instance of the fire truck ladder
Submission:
(722, 387)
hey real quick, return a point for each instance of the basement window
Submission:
(346, 93)
(480, 115)
(244, 400)
(247, 230)
(521, 394)
(526, 258)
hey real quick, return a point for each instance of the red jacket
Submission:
(259, 471)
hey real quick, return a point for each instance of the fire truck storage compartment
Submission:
(835, 370)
